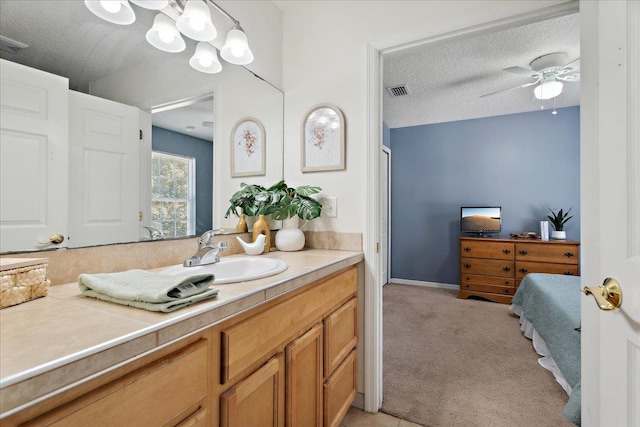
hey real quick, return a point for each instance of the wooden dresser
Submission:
(493, 268)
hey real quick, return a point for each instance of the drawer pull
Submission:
(506, 291)
(506, 251)
(568, 254)
(506, 268)
(522, 252)
(568, 273)
(467, 249)
(467, 265)
(523, 270)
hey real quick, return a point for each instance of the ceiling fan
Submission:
(549, 74)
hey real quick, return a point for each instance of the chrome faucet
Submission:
(207, 251)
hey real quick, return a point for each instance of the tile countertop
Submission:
(59, 340)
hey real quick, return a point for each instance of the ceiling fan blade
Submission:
(509, 89)
(573, 65)
(523, 72)
(573, 76)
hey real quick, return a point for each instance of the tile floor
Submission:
(357, 418)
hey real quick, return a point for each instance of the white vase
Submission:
(290, 238)
(559, 235)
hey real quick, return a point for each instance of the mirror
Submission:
(116, 62)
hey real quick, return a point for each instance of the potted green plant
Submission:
(558, 220)
(290, 204)
(245, 199)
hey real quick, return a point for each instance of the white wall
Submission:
(325, 48)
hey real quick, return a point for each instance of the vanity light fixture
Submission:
(164, 35)
(114, 11)
(206, 59)
(194, 21)
(548, 89)
(236, 48)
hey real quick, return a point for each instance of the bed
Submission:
(549, 309)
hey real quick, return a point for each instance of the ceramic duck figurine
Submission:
(255, 248)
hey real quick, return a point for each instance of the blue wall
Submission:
(522, 162)
(386, 135)
(176, 143)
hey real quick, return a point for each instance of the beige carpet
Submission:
(451, 362)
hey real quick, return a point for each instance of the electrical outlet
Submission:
(330, 206)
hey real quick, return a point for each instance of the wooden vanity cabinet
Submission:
(289, 361)
(170, 391)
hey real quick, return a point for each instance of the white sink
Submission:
(233, 269)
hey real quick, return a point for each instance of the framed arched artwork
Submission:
(248, 154)
(323, 145)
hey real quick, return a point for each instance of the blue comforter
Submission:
(551, 302)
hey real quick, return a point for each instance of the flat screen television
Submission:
(480, 220)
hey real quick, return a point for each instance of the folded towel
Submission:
(147, 290)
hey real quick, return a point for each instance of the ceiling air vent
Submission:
(400, 90)
(10, 45)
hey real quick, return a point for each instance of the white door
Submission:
(104, 181)
(385, 203)
(33, 157)
(610, 208)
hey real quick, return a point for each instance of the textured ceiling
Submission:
(194, 115)
(446, 79)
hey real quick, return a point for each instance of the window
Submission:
(173, 203)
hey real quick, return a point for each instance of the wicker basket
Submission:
(24, 283)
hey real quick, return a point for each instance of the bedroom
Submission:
(452, 147)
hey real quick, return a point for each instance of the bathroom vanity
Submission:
(274, 351)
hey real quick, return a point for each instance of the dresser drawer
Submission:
(483, 287)
(255, 340)
(547, 252)
(486, 267)
(488, 280)
(484, 249)
(524, 268)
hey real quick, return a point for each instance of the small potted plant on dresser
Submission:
(558, 219)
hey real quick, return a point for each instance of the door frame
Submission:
(387, 151)
(375, 52)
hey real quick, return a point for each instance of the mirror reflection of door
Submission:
(182, 168)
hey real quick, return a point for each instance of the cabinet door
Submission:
(340, 390)
(258, 400)
(341, 335)
(104, 178)
(164, 392)
(34, 157)
(304, 380)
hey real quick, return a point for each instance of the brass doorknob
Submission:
(54, 239)
(608, 296)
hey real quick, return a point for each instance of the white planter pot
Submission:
(290, 238)
(558, 235)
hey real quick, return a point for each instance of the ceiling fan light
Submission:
(205, 59)
(236, 48)
(547, 90)
(151, 4)
(114, 11)
(195, 22)
(164, 35)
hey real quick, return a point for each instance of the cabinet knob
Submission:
(467, 249)
(523, 270)
(506, 268)
(568, 273)
(568, 254)
(467, 265)
(506, 251)
(506, 291)
(522, 252)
